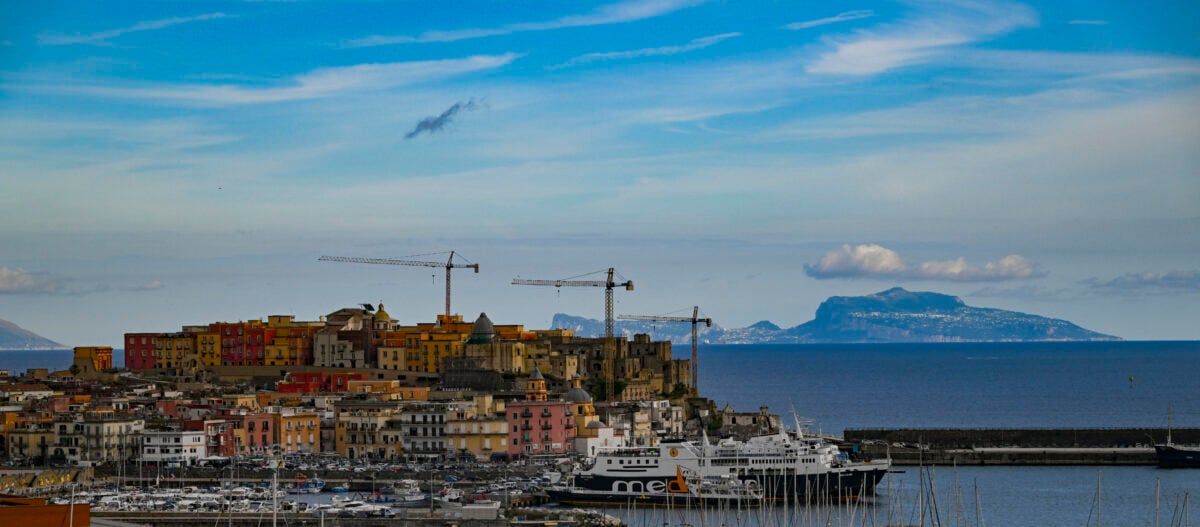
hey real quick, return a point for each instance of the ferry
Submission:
(786, 466)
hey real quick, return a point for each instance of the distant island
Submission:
(14, 337)
(895, 315)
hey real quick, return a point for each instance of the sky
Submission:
(167, 163)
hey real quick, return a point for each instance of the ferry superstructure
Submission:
(785, 466)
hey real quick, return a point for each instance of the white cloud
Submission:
(845, 16)
(319, 83)
(103, 37)
(695, 44)
(618, 13)
(941, 26)
(20, 281)
(874, 261)
(858, 261)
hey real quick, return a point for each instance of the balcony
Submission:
(547, 426)
(526, 426)
(546, 413)
(526, 413)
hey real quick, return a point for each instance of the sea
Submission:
(829, 388)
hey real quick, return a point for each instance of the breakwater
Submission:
(1016, 446)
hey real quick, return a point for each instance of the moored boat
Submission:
(786, 466)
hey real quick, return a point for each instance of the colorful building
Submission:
(297, 431)
(538, 426)
(139, 351)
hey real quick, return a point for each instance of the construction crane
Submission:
(694, 319)
(608, 286)
(448, 264)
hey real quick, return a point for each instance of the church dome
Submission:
(483, 331)
(577, 394)
(380, 314)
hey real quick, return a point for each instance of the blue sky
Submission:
(171, 163)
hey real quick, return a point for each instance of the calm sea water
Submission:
(1078, 384)
(982, 385)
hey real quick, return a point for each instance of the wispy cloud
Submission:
(319, 83)
(1088, 22)
(845, 16)
(435, 123)
(1134, 284)
(618, 13)
(941, 25)
(148, 286)
(695, 44)
(1024, 292)
(102, 37)
(875, 261)
(19, 281)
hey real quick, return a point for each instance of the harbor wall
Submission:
(1012, 446)
(946, 438)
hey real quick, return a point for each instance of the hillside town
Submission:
(358, 385)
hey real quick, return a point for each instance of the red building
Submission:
(318, 382)
(218, 435)
(139, 351)
(537, 426)
(252, 432)
(242, 343)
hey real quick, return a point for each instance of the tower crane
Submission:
(448, 264)
(694, 319)
(607, 284)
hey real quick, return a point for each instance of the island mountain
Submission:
(895, 315)
(14, 337)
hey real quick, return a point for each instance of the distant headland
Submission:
(895, 315)
(14, 337)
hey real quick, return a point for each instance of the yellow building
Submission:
(172, 350)
(97, 357)
(290, 341)
(297, 430)
(382, 390)
(477, 428)
(359, 428)
(208, 347)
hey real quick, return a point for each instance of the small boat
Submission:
(1171, 455)
(344, 487)
(308, 486)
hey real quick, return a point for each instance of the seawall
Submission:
(1016, 446)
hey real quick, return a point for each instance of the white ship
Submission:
(783, 467)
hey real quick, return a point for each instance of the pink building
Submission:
(537, 426)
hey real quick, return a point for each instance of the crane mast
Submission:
(694, 319)
(608, 284)
(448, 265)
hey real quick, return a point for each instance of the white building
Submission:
(173, 446)
(424, 428)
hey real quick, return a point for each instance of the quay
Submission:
(1015, 446)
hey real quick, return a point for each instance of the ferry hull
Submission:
(837, 485)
